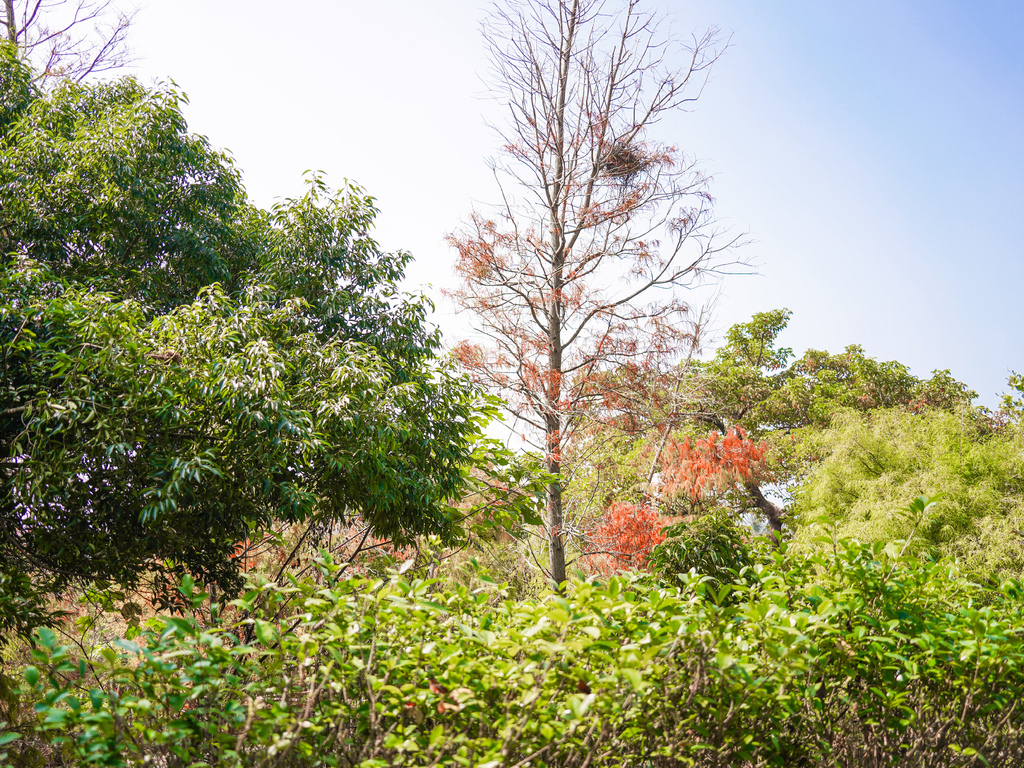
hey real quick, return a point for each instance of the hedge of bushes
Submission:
(856, 657)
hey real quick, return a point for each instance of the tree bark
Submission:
(553, 421)
(9, 22)
(771, 510)
(556, 542)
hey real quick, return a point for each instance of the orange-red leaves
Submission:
(629, 532)
(712, 463)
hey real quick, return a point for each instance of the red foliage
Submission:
(712, 463)
(627, 534)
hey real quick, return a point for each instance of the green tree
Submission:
(754, 384)
(178, 368)
(754, 388)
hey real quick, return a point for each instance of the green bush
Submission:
(712, 546)
(872, 463)
(857, 657)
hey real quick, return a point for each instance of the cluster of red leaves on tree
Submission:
(713, 463)
(626, 535)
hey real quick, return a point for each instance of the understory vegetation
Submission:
(855, 656)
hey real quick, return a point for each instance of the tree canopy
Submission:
(743, 428)
(754, 385)
(179, 367)
(872, 462)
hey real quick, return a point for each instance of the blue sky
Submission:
(873, 151)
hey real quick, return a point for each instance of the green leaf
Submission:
(432, 605)
(46, 638)
(127, 645)
(635, 679)
(266, 632)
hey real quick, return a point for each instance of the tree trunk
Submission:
(556, 544)
(9, 22)
(553, 428)
(556, 223)
(771, 510)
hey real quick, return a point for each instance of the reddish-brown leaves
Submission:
(711, 463)
(627, 534)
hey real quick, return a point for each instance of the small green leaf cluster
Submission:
(858, 656)
(713, 546)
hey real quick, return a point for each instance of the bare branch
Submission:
(69, 39)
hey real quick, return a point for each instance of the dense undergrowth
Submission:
(856, 656)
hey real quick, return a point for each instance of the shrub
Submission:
(712, 546)
(856, 657)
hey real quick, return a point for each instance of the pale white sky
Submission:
(873, 151)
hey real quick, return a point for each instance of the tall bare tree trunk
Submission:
(556, 540)
(553, 422)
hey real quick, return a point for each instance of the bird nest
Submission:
(622, 162)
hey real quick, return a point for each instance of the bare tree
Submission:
(68, 39)
(579, 270)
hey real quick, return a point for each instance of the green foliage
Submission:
(1012, 406)
(218, 411)
(16, 89)
(178, 369)
(22, 604)
(105, 186)
(871, 462)
(857, 656)
(712, 546)
(755, 384)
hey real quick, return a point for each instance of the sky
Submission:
(872, 153)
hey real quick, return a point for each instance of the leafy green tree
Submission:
(763, 404)
(753, 384)
(179, 368)
(105, 186)
(713, 545)
(1012, 406)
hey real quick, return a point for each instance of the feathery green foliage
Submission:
(873, 461)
